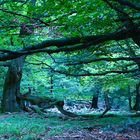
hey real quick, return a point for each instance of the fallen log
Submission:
(43, 103)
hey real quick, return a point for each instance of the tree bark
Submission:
(45, 103)
(137, 104)
(129, 99)
(11, 90)
(130, 102)
(94, 103)
(51, 83)
(12, 86)
(107, 105)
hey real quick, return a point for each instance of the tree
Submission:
(137, 104)
(11, 87)
(100, 34)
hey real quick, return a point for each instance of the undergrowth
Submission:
(32, 127)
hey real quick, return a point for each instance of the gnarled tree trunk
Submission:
(11, 90)
(12, 86)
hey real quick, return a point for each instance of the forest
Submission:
(69, 70)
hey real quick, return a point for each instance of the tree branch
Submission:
(37, 19)
(25, 16)
(5, 64)
(115, 8)
(77, 43)
(129, 4)
(87, 73)
(105, 59)
(96, 74)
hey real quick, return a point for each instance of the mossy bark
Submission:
(46, 102)
(11, 89)
(12, 86)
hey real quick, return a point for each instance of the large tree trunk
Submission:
(12, 86)
(137, 104)
(11, 90)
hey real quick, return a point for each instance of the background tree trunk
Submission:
(137, 104)
(129, 99)
(51, 83)
(107, 105)
(94, 103)
(130, 102)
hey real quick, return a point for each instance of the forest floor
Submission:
(27, 126)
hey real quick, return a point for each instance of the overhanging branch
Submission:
(105, 59)
(24, 16)
(73, 44)
(5, 64)
(129, 4)
(87, 73)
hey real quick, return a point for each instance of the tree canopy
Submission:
(76, 38)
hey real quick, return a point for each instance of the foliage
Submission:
(108, 66)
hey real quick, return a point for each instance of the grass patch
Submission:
(27, 127)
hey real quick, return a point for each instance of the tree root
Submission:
(106, 110)
(61, 109)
